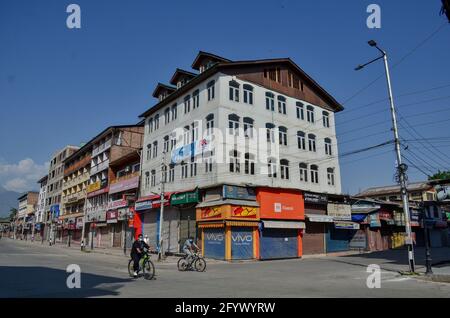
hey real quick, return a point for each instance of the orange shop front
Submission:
(229, 231)
(282, 216)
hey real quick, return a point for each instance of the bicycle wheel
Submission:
(179, 263)
(148, 269)
(200, 264)
(131, 267)
(182, 264)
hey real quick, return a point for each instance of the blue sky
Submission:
(60, 86)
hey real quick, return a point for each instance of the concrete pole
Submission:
(161, 211)
(401, 170)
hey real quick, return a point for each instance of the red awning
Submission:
(155, 198)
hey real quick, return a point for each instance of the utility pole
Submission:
(401, 168)
(161, 210)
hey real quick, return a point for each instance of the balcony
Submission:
(77, 165)
(99, 149)
(100, 167)
(76, 181)
(74, 197)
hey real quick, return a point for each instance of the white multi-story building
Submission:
(40, 211)
(252, 123)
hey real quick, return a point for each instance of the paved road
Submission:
(32, 270)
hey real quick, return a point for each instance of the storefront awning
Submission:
(242, 223)
(284, 224)
(210, 225)
(228, 202)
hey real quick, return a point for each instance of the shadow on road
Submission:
(18, 282)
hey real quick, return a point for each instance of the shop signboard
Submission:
(117, 204)
(184, 197)
(281, 204)
(244, 212)
(414, 217)
(240, 193)
(123, 185)
(346, 225)
(111, 216)
(54, 210)
(143, 205)
(211, 212)
(320, 218)
(374, 220)
(191, 150)
(93, 187)
(315, 198)
(339, 212)
(79, 223)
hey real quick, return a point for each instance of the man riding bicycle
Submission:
(137, 251)
(189, 248)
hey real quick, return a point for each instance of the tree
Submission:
(440, 175)
(446, 9)
(12, 214)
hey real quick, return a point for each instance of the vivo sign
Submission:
(242, 238)
(214, 237)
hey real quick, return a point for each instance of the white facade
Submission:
(221, 107)
(41, 207)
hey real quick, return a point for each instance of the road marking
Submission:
(400, 279)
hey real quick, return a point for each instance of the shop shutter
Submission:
(105, 236)
(435, 238)
(358, 240)
(150, 228)
(170, 230)
(214, 241)
(241, 243)
(338, 239)
(187, 226)
(314, 238)
(278, 243)
(117, 235)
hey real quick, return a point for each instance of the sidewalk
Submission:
(397, 260)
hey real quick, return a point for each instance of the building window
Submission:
(326, 119)
(210, 88)
(282, 134)
(173, 142)
(234, 90)
(248, 94)
(312, 142)
(300, 111)
(270, 101)
(330, 176)
(209, 124)
(310, 114)
(187, 104)
(153, 178)
(233, 124)
(186, 134)
(301, 140)
(147, 179)
(156, 121)
(282, 105)
(274, 74)
(284, 169)
(167, 116)
(235, 164)
(248, 127)
(171, 173)
(208, 161)
(155, 149)
(184, 170)
(328, 146)
(194, 126)
(174, 112)
(272, 168)
(149, 151)
(314, 174)
(166, 144)
(195, 99)
(150, 125)
(303, 172)
(270, 132)
(249, 164)
(193, 168)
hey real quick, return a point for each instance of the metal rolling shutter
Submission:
(278, 243)
(337, 240)
(214, 241)
(314, 238)
(170, 230)
(187, 226)
(150, 227)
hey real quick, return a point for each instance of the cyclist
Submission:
(189, 248)
(137, 251)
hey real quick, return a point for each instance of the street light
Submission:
(401, 168)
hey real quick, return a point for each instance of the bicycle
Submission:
(196, 262)
(145, 265)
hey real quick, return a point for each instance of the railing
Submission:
(74, 197)
(128, 176)
(100, 167)
(97, 150)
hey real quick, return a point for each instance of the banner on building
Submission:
(339, 212)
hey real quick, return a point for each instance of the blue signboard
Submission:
(143, 205)
(235, 192)
(375, 220)
(183, 153)
(214, 240)
(54, 210)
(241, 243)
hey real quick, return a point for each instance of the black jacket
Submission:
(138, 245)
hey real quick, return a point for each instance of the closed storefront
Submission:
(282, 223)
(214, 242)
(150, 227)
(170, 229)
(338, 239)
(185, 203)
(317, 221)
(188, 226)
(241, 243)
(359, 240)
